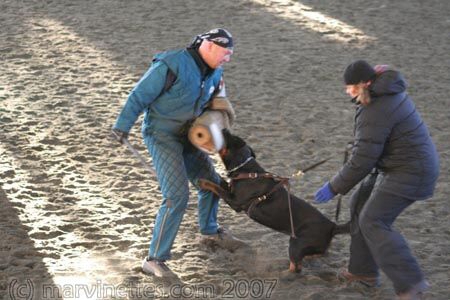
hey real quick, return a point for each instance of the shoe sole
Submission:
(371, 283)
(167, 274)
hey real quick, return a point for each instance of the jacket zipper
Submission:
(197, 102)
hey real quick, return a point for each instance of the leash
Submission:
(136, 154)
(300, 173)
(288, 188)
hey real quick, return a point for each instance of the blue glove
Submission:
(324, 194)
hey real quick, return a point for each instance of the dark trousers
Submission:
(374, 244)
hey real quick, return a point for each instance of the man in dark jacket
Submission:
(392, 142)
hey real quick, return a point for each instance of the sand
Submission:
(77, 209)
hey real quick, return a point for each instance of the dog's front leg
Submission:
(218, 190)
(222, 191)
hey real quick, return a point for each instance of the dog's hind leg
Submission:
(300, 248)
(295, 255)
(295, 267)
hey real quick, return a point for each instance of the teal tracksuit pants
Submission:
(177, 163)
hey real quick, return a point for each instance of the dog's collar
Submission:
(239, 166)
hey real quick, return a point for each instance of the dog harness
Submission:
(282, 182)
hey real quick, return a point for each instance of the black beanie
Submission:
(358, 71)
(218, 36)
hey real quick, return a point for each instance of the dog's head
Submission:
(235, 151)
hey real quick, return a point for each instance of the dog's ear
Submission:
(227, 136)
(226, 132)
(252, 152)
(232, 141)
(236, 142)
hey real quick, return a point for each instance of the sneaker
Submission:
(369, 281)
(156, 268)
(223, 239)
(416, 292)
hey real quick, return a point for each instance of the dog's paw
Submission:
(295, 267)
(205, 184)
(288, 276)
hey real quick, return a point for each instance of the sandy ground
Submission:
(77, 210)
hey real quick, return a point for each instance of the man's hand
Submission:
(324, 194)
(119, 135)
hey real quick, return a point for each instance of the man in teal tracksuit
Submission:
(176, 89)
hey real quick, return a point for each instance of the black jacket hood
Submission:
(389, 82)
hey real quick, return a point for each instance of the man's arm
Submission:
(370, 137)
(147, 90)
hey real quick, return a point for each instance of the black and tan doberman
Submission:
(267, 200)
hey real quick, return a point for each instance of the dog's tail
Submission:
(341, 228)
